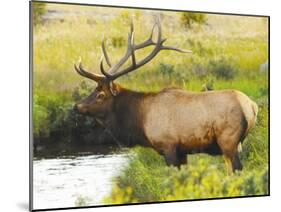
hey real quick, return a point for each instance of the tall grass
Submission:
(242, 41)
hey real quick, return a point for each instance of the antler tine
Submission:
(102, 69)
(159, 30)
(105, 53)
(112, 73)
(149, 41)
(129, 52)
(157, 48)
(132, 45)
(80, 70)
(175, 49)
(131, 27)
(169, 47)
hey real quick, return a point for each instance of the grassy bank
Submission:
(202, 178)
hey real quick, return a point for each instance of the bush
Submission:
(172, 74)
(189, 18)
(166, 69)
(40, 118)
(222, 69)
(39, 9)
(55, 120)
(50, 113)
(148, 179)
(204, 181)
(82, 91)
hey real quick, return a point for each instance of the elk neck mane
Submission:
(128, 116)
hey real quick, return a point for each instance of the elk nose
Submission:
(80, 108)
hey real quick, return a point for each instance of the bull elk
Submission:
(173, 121)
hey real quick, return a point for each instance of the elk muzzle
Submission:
(80, 108)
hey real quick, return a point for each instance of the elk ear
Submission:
(114, 89)
(100, 96)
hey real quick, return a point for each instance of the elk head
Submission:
(99, 103)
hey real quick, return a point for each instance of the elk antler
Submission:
(112, 73)
(80, 70)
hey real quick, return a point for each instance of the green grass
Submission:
(227, 51)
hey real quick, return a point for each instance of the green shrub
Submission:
(222, 69)
(40, 118)
(148, 179)
(189, 18)
(83, 90)
(166, 69)
(55, 119)
(49, 113)
(172, 74)
(206, 181)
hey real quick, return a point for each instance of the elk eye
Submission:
(100, 96)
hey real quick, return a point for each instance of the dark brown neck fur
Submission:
(126, 123)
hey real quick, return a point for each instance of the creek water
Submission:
(67, 181)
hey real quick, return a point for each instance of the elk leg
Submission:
(228, 164)
(182, 158)
(236, 164)
(232, 163)
(228, 142)
(174, 156)
(171, 157)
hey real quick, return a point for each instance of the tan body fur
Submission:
(178, 122)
